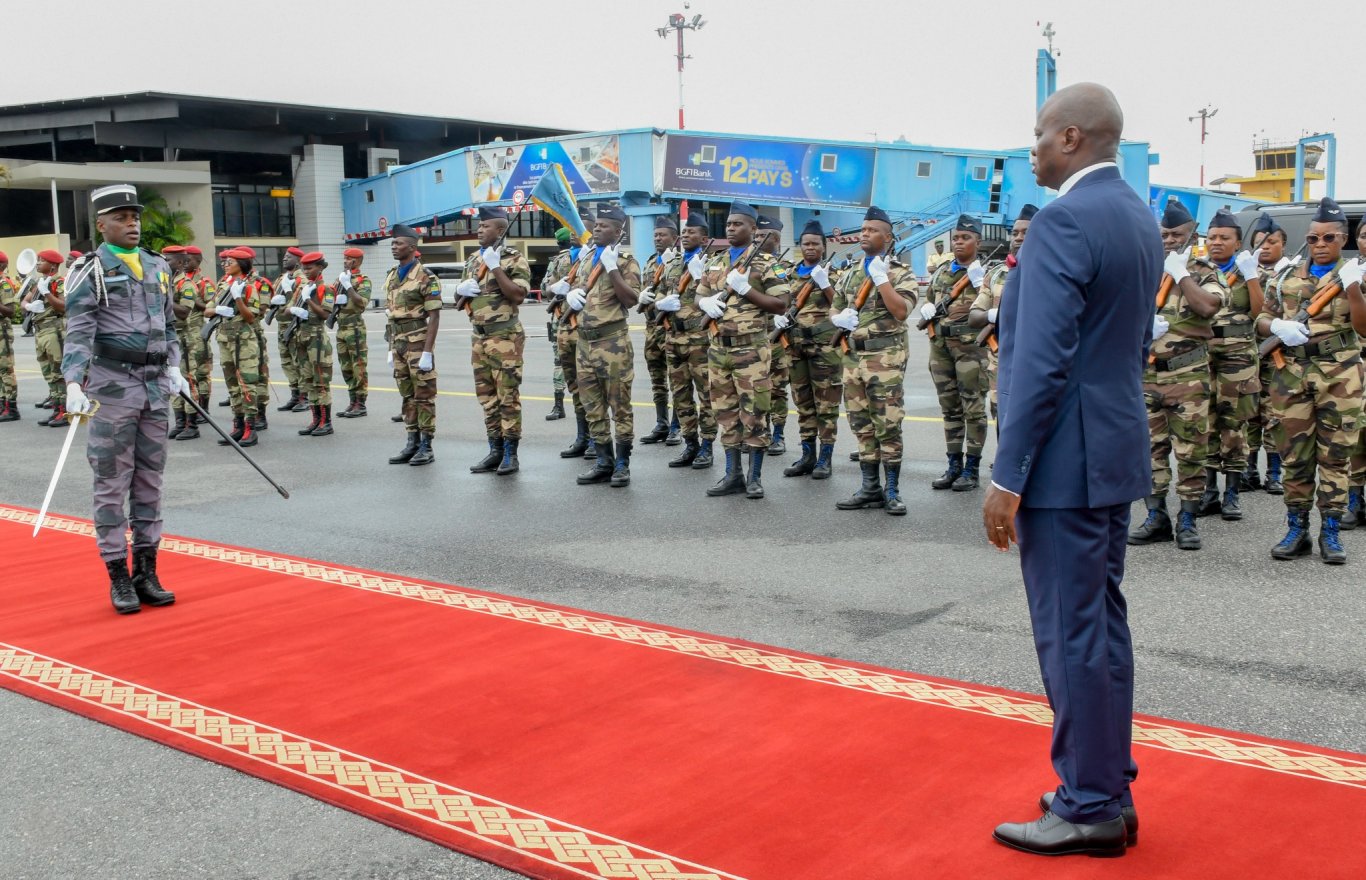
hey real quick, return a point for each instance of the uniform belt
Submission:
(1232, 331)
(496, 326)
(740, 339)
(1196, 355)
(129, 355)
(876, 343)
(819, 333)
(602, 331)
(1340, 341)
(686, 325)
(407, 325)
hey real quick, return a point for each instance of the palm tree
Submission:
(162, 226)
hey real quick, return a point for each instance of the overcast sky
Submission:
(945, 73)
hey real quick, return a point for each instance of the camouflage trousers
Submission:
(127, 453)
(178, 403)
(497, 362)
(48, 341)
(817, 376)
(780, 376)
(289, 362)
(552, 332)
(566, 347)
(239, 352)
(875, 399)
(313, 363)
(691, 385)
(1357, 460)
(201, 361)
(657, 363)
(263, 376)
(1319, 402)
(1237, 390)
(353, 355)
(1261, 427)
(741, 380)
(993, 364)
(958, 368)
(9, 382)
(1178, 424)
(418, 389)
(605, 369)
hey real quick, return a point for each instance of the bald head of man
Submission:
(1078, 126)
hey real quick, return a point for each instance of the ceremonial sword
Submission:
(61, 460)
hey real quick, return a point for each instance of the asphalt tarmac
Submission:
(1224, 637)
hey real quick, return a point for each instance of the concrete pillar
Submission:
(318, 219)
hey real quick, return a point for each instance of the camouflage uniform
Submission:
(9, 386)
(958, 365)
(409, 300)
(817, 367)
(498, 343)
(779, 371)
(178, 404)
(353, 347)
(567, 339)
(196, 292)
(293, 373)
(988, 298)
(687, 346)
(1234, 378)
(656, 349)
(49, 332)
(605, 357)
(555, 270)
(1261, 427)
(310, 344)
(265, 291)
(239, 345)
(116, 320)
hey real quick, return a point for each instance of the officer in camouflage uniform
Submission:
(265, 295)
(988, 301)
(958, 365)
(1269, 241)
(656, 351)
(310, 342)
(9, 306)
(45, 301)
(1317, 392)
(239, 347)
(174, 255)
(560, 277)
(686, 344)
(1176, 382)
(779, 362)
(555, 270)
(196, 292)
(120, 344)
(353, 292)
(606, 358)
(817, 366)
(1233, 366)
(739, 360)
(413, 297)
(496, 283)
(285, 289)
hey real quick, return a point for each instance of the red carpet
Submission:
(564, 744)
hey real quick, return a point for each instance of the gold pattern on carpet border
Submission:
(1152, 734)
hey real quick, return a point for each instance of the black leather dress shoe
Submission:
(1051, 835)
(1129, 814)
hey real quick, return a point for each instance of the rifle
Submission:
(337, 307)
(941, 308)
(288, 333)
(26, 263)
(659, 276)
(1272, 345)
(225, 298)
(273, 310)
(744, 267)
(791, 314)
(557, 301)
(987, 337)
(466, 302)
(865, 290)
(595, 275)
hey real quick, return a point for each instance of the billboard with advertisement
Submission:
(769, 171)
(498, 173)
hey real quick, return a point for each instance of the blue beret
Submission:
(1176, 215)
(738, 207)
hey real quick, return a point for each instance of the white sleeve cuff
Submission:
(996, 485)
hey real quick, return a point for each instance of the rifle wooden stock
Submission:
(659, 276)
(1273, 344)
(954, 293)
(864, 291)
(797, 305)
(988, 337)
(749, 258)
(557, 304)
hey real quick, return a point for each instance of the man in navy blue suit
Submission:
(1075, 326)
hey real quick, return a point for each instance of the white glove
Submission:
(927, 311)
(224, 311)
(468, 288)
(490, 257)
(976, 274)
(668, 256)
(1160, 327)
(1281, 264)
(608, 259)
(1350, 273)
(278, 299)
(45, 285)
(238, 288)
(424, 363)
(37, 307)
(575, 299)
(992, 314)
(697, 267)
(301, 314)
(1290, 332)
(342, 299)
(846, 320)
(178, 383)
(713, 307)
(389, 358)
(287, 285)
(877, 270)
(738, 281)
(820, 276)
(1247, 264)
(560, 288)
(782, 322)
(647, 296)
(344, 279)
(1175, 265)
(670, 303)
(76, 401)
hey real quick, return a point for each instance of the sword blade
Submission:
(61, 462)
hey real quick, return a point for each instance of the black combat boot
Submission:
(806, 464)
(778, 446)
(397, 418)
(688, 455)
(179, 424)
(602, 468)
(1274, 486)
(1157, 527)
(1187, 535)
(409, 449)
(621, 473)
(509, 464)
(853, 456)
(204, 405)
(754, 486)
(1330, 542)
(324, 421)
(580, 443)
(259, 423)
(704, 458)
(121, 591)
(490, 462)
(424, 454)
(1232, 507)
(1296, 540)
(733, 480)
(288, 405)
(313, 425)
(302, 403)
(556, 411)
(1353, 516)
(350, 406)
(236, 433)
(869, 494)
(823, 462)
(955, 468)
(249, 437)
(59, 419)
(591, 453)
(969, 478)
(227, 402)
(10, 411)
(360, 412)
(1209, 502)
(191, 429)
(45, 403)
(1252, 477)
(892, 494)
(674, 437)
(145, 583)
(661, 430)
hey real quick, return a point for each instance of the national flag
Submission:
(553, 195)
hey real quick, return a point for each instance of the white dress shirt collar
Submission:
(1076, 178)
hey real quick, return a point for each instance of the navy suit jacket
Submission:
(1076, 324)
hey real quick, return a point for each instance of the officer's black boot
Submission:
(1252, 477)
(59, 419)
(424, 454)
(892, 494)
(1352, 517)
(556, 411)
(204, 405)
(602, 468)
(313, 425)
(580, 443)
(1187, 535)
(249, 437)
(1273, 474)
(397, 418)
(45, 403)
(236, 433)
(733, 480)
(1209, 502)
(409, 449)
(823, 462)
(288, 405)
(145, 583)
(490, 462)
(674, 437)
(704, 458)
(591, 453)
(661, 430)
(778, 446)
(302, 403)
(121, 591)
(360, 411)
(1330, 542)
(10, 411)
(621, 472)
(869, 494)
(227, 402)
(1296, 540)
(259, 423)
(804, 465)
(853, 456)
(350, 406)
(969, 478)
(955, 468)
(177, 427)
(754, 486)
(191, 429)
(325, 421)
(1232, 507)
(688, 455)
(509, 464)
(1157, 527)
